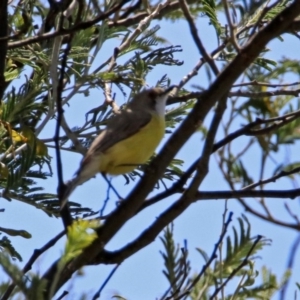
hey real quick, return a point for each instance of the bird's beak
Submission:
(168, 90)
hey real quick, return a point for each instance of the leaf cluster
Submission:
(236, 263)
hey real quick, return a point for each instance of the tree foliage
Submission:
(53, 51)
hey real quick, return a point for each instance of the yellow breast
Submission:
(127, 154)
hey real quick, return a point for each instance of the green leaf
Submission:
(5, 245)
(13, 232)
(79, 238)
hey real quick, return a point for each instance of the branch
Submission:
(3, 44)
(259, 83)
(272, 179)
(268, 218)
(247, 94)
(196, 38)
(137, 31)
(35, 255)
(149, 235)
(262, 15)
(71, 135)
(242, 264)
(281, 194)
(174, 5)
(62, 31)
(196, 95)
(57, 96)
(214, 54)
(232, 27)
(214, 253)
(98, 293)
(249, 131)
(290, 265)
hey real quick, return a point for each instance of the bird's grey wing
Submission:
(119, 128)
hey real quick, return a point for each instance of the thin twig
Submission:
(63, 294)
(213, 256)
(263, 13)
(232, 27)
(197, 95)
(3, 45)
(290, 265)
(280, 92)
(98, 294)
(249, 131)
(72, 136)
(292, 214)
(196, 38)
(272, 179)
(214, 54)
(61, 31)
(57, 95)
(220, 195)
(220, 248)
(144, 23)
(259, 83)
(268, 219)
(35, 255)
(243, 263)
(107, 87)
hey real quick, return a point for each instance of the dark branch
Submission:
(148, 235)
(241, 265)
(3, 44)
(196, 38)
(65, 213)
(60, 32)
(35, 255)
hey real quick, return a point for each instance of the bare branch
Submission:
(98, 294)
(57, 96)
(62, 31)
(290, 265)
(249, 131)
(272, 179)
(247, 94)
(232, 27)
(35, 255)
(197, 67)
(3, 44)
(258, 83)
(196, 38)
(241, 265)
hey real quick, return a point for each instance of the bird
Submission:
(129, 139)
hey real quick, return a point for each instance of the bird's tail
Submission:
(69, 187)
(88, 169)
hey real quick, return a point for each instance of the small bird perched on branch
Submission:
(128, 140)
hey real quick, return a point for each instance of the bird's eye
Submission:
(152, 95)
